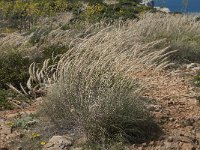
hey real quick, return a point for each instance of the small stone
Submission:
(171, 119)
(132, 147)
(140, 148)
(19, 148)
(187, 146)
(151, 143)
(30, 123)
(170, 139)
(180, 143)
(167, 145)
(144, 144)
(152, 107)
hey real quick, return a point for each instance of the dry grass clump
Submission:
(101, 104)
(113, 47)
(156, 40)
(180, 31)
(91, 92)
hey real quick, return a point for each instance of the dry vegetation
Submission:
(88, 83)
(92, 94)
(179, 31)
(133, 45)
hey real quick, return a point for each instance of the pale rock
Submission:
(152, 143)
(167, 145)
(152, 107)
(187, 146)
(163, 9)
(58, 143)
(170, 139)
(149, 3)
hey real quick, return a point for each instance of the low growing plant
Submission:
(25, 122)
(13, 69)
(104, 106)
(4, 103)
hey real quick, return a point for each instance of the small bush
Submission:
(96, 11)
(13, 69)
(104, 106)
(49, 52)
(4, 104)
(65, 27)
(24, 122)
(53, 50)
(197, 79)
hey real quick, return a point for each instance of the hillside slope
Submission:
(124, 84)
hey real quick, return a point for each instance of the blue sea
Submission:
(178, 5)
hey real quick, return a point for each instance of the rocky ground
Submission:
(175, 108)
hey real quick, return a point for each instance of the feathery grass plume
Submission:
(100, 103)
(114, 46)
(180, 32)
(92, 92)
(155, 40)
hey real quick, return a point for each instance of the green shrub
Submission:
(4, 104)
(24, 122)
(13, 69)
(53, 50)
(197, 79)
(14, 66)
(94, 12)
(65, 27)
(49, 52)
